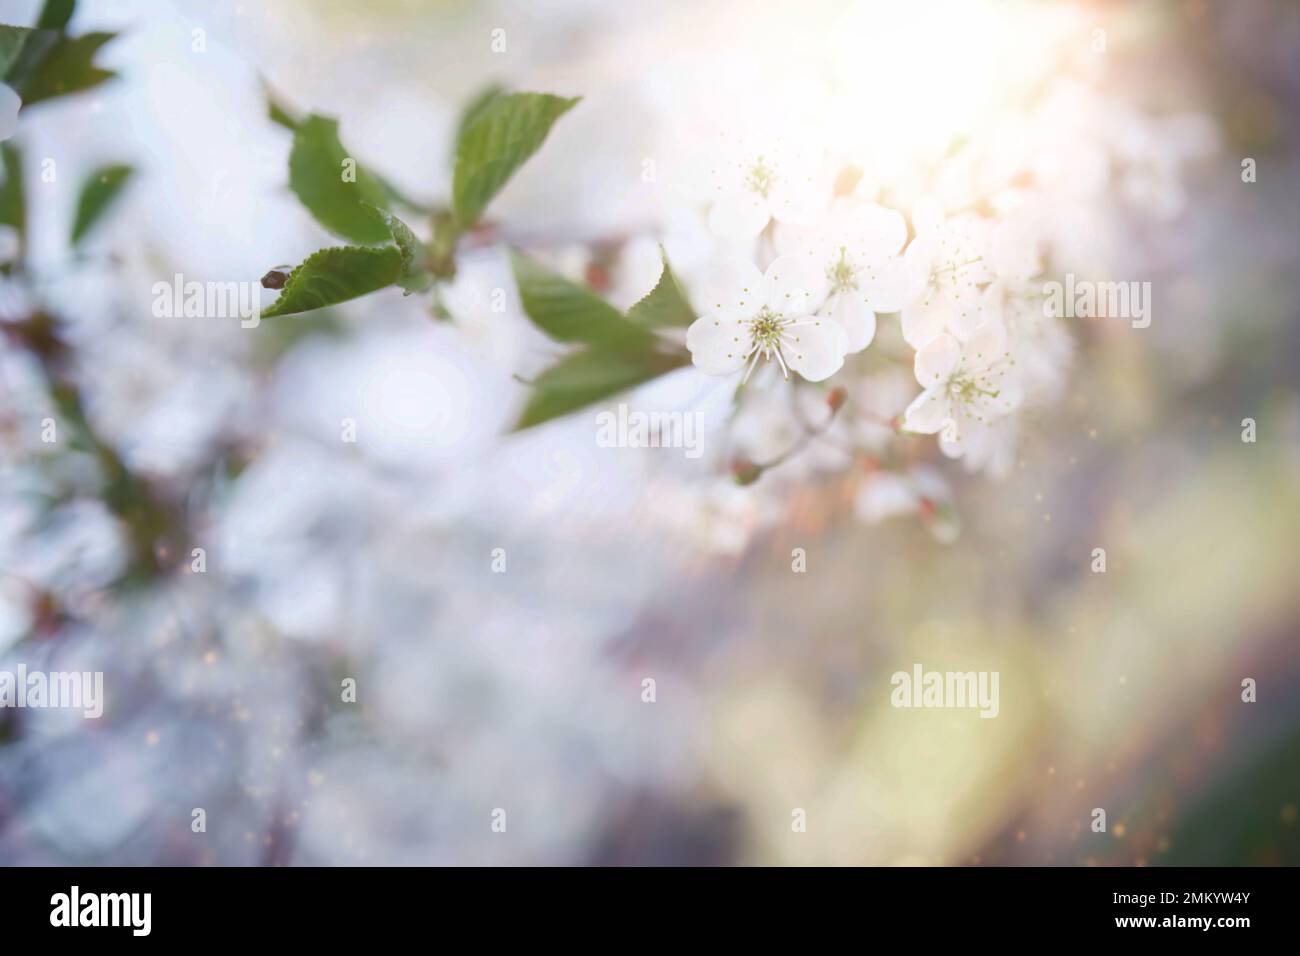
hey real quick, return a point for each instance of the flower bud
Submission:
(744, 471)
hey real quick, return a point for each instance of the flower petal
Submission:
(739, 215)
(733, 289)
(1003, 391)
(850, 311)
(815, 347)
(718, 346)
(919, 261)
(878, 231)
(937, 360)
(922, 323)
(964, 434)
(886, 284)
(986, 346)
(801, 200)
(793, 239)
(927, 214)
(795, 285)
(964, 310)
(928, 412)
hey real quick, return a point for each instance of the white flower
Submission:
(856, 247)
(752, 315)
(10, 104)
(753, 182)
(968, 385)
(947, 262)
(1042, 345)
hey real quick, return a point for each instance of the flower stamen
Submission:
(841, 273)
(761, 177)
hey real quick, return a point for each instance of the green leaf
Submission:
(590, 376)
(414, 277)
(474, 108)
(336, 275)
(665, 306)
(67, 67)
(500, 137)
(12, 41)
(13, 207)
(278, 114)
(281, 114)
(568, 312)
(621, 353)
(25, 53)
(316, 170)
(56, 14)
(276, 110)
(98, 193)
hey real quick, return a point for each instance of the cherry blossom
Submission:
(754, 315)
(754, 181)
(968, 384)
(948, 262)
(857, 246)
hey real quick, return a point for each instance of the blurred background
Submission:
(523, 690)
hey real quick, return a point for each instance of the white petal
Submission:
(964, 310)
(993, 306)
(928, 412)
(921, 254)
(1011, 393)
(963, 434)
(800, 201)
(815, 349)
(919, 260)
(937, 360)
(718, 346)
(927, 214)
(879, 231)
(985, 346)
(886, 284)
(921, 323)
(848, 309)
(739, 215)
(733, 289)
(1005, 391)
(722, 161)
(792, 239)
(841, 336)
(796, 285)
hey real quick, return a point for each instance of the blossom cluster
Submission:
(817, 270)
